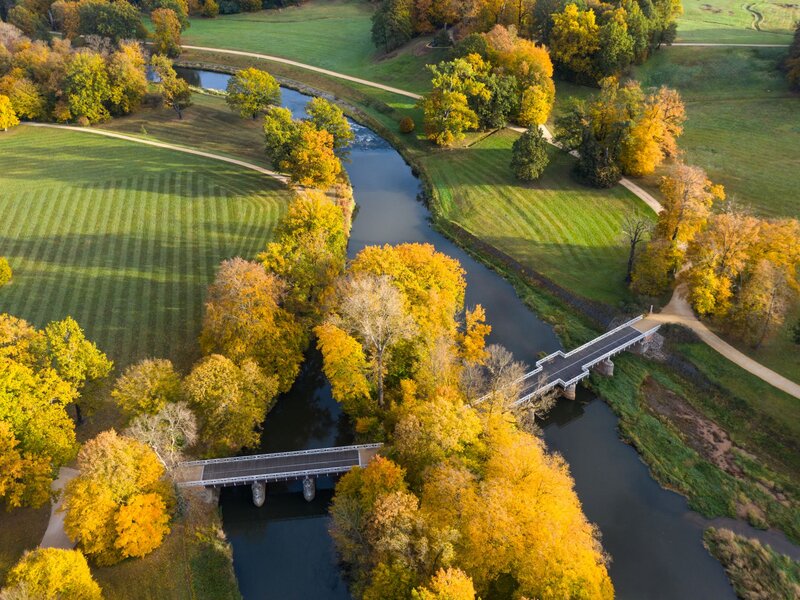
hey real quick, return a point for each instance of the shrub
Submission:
(529, 155)
(229, 7)
(210, 9)
(250, 5)
(407, 125)
(5, 271)
(443, 39)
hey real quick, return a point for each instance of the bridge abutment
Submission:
(605, 367)
(569, 391)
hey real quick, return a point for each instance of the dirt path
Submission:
(679, 311)
(758, 18)
(234, 161)
(55, 536)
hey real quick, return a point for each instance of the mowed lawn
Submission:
(123, 237)
(731, 21)
(569, 232)
(332, 34)
(743, 123)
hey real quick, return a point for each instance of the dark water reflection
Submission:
(282, 551)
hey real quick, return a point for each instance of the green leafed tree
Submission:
(392, 24)
(251, 91)
(529, 155)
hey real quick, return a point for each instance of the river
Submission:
(282, 550)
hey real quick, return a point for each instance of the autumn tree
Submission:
(86, 88)
(51, 574)
(166, 32)
(371, 310)
(308, 251)
(174, 90)
(251, 91)
(119, 505)
(392, 24)
(114, 20)
(447, 111)
(147, 387)
(326, 116)
(244, 319)
(74, 358)
(8, 118)
(169, 432)
(231, 402)
(25, 477)
(127, 79)
(574, 38)
(447, 584)
(5, 270)
(529, 155)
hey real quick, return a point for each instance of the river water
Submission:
(282, 551)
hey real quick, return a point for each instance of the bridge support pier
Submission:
(259, 493)
(309, 488)
(605, 367)
(569, 392)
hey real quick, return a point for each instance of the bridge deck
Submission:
(281, 466)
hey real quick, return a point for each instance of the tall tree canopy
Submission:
(51, 574)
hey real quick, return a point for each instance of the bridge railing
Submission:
(233, 459)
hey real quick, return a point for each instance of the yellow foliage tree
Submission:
(119, 504)
(574, 39)
(473, 341)
(52, 574)
(447, 584)
(8, 118)
(345, 366)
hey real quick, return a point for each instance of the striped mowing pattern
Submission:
(567, 231)
(122, 237)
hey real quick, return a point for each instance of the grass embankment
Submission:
(123, 237)
(756, 571)
(729, 21)
(333, 35)
(194, 563)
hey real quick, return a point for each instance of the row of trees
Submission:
(57, 82)
(738, 269)
(792, 62)
(496, 78)
(455, 478)
(626, 130)
(586, 42)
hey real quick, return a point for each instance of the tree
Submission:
(311, 161)
(615, 53)
(392, 24)
(75, 359)
(210, 9)
(147, 387)
(308, 252)
(25, 96)
(86, 87)
(345, 365)
(169, 432)
(174, 91)
(114, 20)
(5, 271)
(635, 228)
(25, 478)
(529, 155)
(329, 117)
(231, 402)
(447, 111)
(574, 39)
(127, 78)
(501, 104)
(447, 584)
(371, 309)
(537, 103)
(8, 119)
(791, 63)
(52, 574)
(251, 91)
(279, 130)
(244, 319)
(166, 32)
(179, 7)
(119, 504)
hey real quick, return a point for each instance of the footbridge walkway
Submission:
(566, 370)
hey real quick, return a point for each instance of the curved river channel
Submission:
(282, 551)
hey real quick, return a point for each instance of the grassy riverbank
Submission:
(729, 21)
(756, 571)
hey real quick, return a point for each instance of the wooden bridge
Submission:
(566, 370)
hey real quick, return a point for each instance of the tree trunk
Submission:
(631, 256)
(380, 378)
(78, 414)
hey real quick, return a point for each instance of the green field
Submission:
(729, 21)
(123, 237)
(330, 34)
(568, 232)
(743, 124)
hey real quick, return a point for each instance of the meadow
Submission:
(122, 237)
(333, 35)
(729, 21)
(568, 232)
